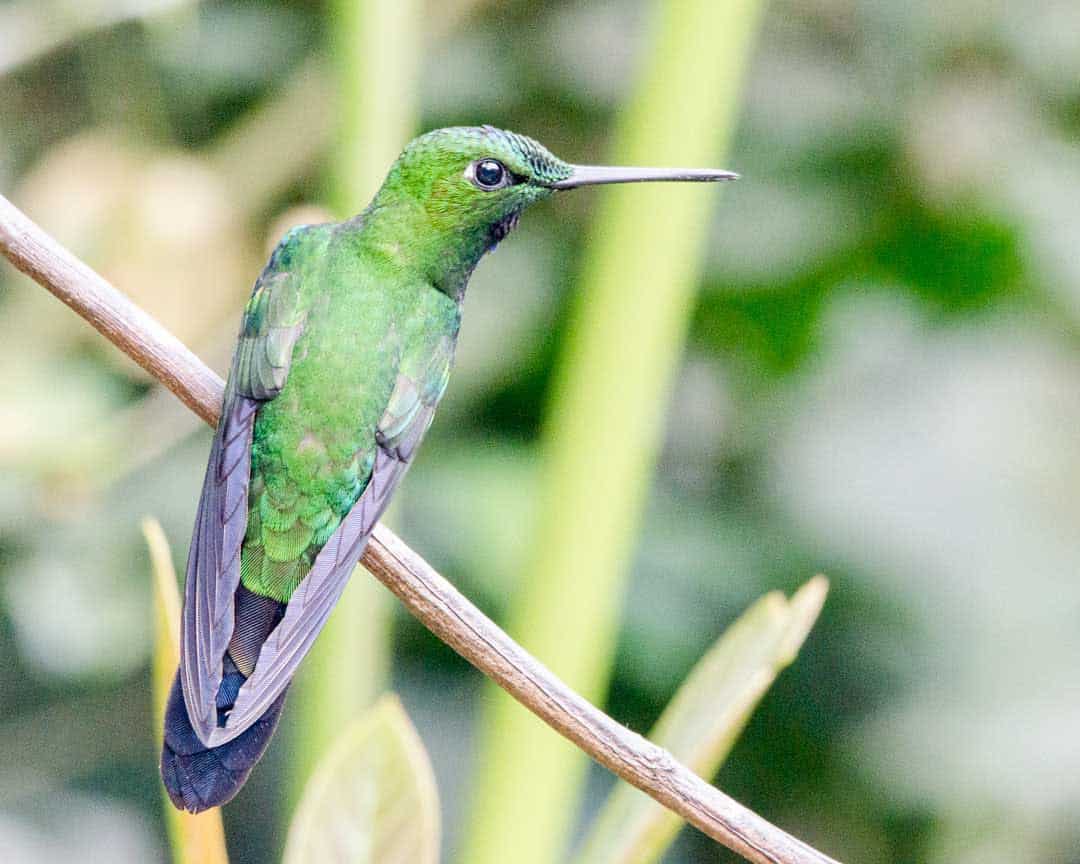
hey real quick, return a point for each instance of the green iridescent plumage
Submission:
(344, 351)
(369, 352)
(376, 341)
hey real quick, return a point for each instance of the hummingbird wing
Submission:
(407, 416)
(273, 321)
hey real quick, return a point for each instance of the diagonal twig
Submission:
(426, 594)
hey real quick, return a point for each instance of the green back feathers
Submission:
(345, 337)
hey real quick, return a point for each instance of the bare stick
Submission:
(438, 605)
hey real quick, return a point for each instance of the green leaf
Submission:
(704, 719)
(372, 798)
(194, 839)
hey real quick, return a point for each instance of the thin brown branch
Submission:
(438, 605)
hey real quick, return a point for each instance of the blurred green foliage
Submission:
(704, 718)
(882, 382)
(605, 416)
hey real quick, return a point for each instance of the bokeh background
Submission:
(880, 381)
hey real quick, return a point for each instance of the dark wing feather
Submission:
(213, 571)
(273, 321)
(407, 417)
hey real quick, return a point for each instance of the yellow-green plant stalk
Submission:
(376, 47)
(606, 418)
(194, 839)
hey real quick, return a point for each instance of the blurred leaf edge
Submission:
(354, 816)
(705, 717)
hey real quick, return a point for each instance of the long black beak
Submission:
(596, 175)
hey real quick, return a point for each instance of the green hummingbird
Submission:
(344, 351)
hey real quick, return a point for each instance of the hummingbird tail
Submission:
(198, 777)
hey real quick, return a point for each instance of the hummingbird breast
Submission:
(314, 446)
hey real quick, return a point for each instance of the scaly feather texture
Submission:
(344, 352)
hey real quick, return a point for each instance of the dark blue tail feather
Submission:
(197, 777)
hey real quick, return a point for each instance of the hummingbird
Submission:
(344, 351)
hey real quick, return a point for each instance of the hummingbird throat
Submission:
(459, 259)
(503, 227)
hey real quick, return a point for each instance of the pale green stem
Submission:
(377, 51)
(607, 415)
(378, 47)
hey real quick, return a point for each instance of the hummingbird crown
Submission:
(526, 161)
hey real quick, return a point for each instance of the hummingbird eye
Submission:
(488, 174)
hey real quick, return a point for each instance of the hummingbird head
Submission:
(473, 182)
(468, 185)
